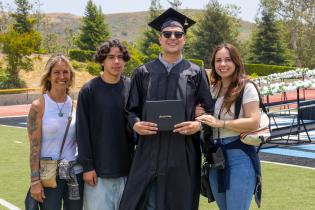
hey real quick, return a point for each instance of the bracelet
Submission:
(223, 123)
(33, 179)
(35, 182)
(34, 174)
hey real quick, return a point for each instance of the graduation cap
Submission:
(171, 18)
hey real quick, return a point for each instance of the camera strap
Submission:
(219, 117)
(66, 132)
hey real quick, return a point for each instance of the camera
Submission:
(66, 172)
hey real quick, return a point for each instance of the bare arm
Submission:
(34, 122)
(34, 129)
(249, 122)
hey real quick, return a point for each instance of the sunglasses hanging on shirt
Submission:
(177, 34)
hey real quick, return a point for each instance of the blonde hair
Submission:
(45, 83)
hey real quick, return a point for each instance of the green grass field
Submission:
(284, 188)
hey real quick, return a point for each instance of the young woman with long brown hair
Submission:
(233, 186)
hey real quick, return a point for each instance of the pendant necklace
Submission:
(60, 114)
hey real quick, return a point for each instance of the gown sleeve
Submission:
(134, 104)
(204, 95)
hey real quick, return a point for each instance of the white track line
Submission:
(11, 126)
(14, 116)
(290, 165)
(8, 205)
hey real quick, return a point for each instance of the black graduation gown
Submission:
(172, 160)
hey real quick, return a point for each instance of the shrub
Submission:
(93, 68)
(253, 75)
(78, 65)
(264, 70)
(198, 62)
(18, 48)
(5, 82)
(3, 77)
(81, 55)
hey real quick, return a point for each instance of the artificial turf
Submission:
(284, 187)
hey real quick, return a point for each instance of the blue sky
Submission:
(248, 7)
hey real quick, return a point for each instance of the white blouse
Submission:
(250, 94)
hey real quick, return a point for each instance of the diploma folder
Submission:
(165, 114)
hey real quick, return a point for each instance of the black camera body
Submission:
(66, 171)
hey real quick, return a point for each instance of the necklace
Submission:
(60, 114)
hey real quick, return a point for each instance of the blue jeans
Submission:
(55, 196)
(150, 203)
(242, 182)
(106, 195)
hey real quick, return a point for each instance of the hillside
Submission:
(32, 78)
(124, 26)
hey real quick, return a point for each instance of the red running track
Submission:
(17, 110)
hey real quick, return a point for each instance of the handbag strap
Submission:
(66, 131)
(261, 104)
(238, 102)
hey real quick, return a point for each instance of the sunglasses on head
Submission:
(177, 34)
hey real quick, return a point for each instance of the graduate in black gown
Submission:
(165, 173)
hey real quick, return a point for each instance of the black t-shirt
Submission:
(104, 143)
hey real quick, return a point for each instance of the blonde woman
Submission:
(47, 120)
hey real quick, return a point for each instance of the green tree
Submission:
(17, 47)
(151, 36)
(153, 52)
(22, 20)
(94, 30)
(217, 24)
(299, 20)
(19, 42)
(135, 61)
(266, 46)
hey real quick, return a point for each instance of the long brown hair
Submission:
(238, 78)
(45, 83)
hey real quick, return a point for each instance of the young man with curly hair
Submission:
(104, 144)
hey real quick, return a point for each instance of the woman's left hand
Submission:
(210, 120)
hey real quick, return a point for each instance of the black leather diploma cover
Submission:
(165, 113)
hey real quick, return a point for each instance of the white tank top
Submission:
(53, 129)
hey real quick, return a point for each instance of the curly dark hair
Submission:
(104, 49)
(238, 79)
